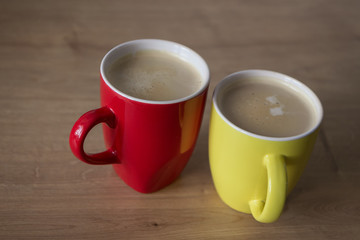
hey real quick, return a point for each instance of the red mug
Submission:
(148, 142)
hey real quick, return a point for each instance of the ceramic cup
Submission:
(254, 173)
(148, 142)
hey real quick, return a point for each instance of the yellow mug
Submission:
(254, 173)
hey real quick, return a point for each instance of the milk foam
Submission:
(154, 75)
(272, 110)
(275, 111)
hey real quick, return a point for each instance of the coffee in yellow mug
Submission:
(263, 129)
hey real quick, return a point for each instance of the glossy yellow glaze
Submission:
(252, 174)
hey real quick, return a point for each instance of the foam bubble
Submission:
(277, 111)
(272, 99)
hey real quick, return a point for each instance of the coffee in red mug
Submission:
(153, 94)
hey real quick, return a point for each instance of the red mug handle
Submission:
(83, 126)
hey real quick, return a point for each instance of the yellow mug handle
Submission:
(269, 210)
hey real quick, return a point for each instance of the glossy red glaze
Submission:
(148, 142)
(153, 142)
(80, 130)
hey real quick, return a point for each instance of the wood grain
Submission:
(50, 53)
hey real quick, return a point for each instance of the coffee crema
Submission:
(267, 108)
(154, 75)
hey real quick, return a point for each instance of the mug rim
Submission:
(282, 77)
(180, 48)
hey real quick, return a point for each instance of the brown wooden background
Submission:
(50, 53)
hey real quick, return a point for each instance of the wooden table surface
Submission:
(50, 52)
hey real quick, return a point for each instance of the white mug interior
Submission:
(176, 49)
(229, 80)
